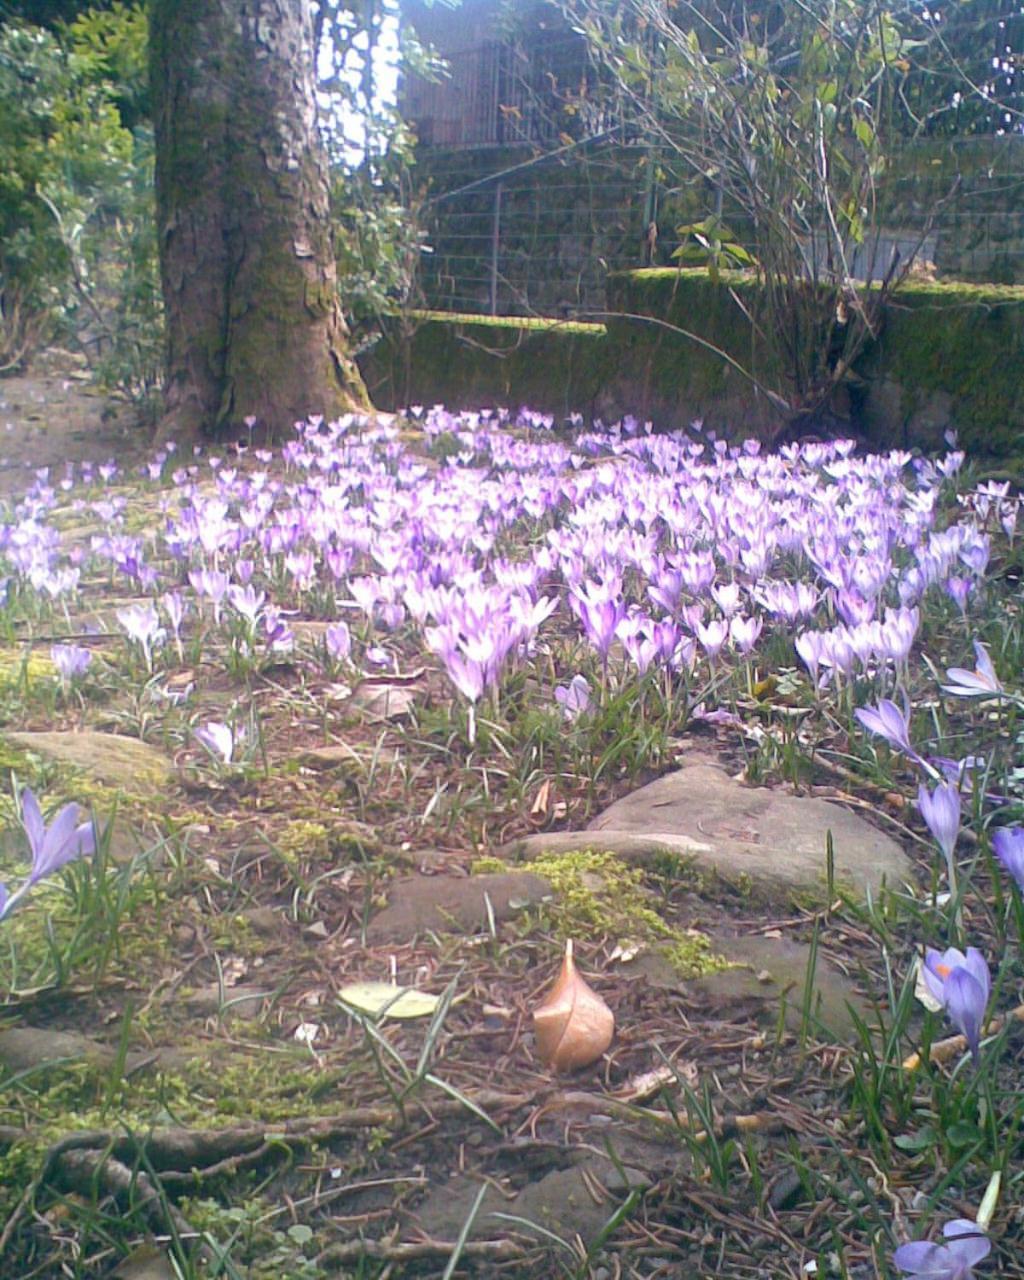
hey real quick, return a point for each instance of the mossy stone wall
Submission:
(475, 362)
(949, 356)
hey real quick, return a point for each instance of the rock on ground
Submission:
(774, 841)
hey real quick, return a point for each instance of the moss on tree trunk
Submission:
(254, 327)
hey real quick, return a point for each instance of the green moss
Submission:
(209, 1091)
(22, 668)
(948, 352)
(962, 343)
(543, 324)
(302, 839)
(598, 894)
(553, 366)
(488, 866)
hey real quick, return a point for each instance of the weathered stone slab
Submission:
(110, 758)
(25, 1048)
(453, 904)
(378, 702)
(773, 840)
(561, 1202)
(340, 757)
(766, 973)
(245, 1002)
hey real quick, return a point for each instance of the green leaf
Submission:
(865, 133)
(963, 1134)
(923, 1140)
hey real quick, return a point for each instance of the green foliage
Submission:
(377, 238)
(78, 257)
(375, 198)
(787, 118)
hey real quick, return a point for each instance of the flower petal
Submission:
(59, 845)
(32, 821)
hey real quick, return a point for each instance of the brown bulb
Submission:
(573, 1024)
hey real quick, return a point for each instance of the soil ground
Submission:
(299, 1141)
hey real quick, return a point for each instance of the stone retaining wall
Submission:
(948, 356)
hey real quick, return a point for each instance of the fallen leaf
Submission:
(384, 1000)
(540, 805)
(573, 1024)
(641, 1087)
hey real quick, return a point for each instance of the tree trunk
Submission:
(254, 326)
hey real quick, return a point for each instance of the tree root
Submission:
(85, 1172)
(107, 1160)
(354, 1250)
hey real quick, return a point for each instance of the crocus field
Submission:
(400, 645)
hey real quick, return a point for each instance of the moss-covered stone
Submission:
(948, 356)
(598, 894)
(481, 362)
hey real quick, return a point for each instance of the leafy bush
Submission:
(77, 250)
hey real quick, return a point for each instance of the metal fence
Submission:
(539, 234)
(505, 93)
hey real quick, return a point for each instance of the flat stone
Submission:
(340, 757)
(771, 840)
(384, 701)
(24, 1048)
(124, 842)
(147, 1262)
(766, 972)
(561, 1202)
(110, 758)
(237, 1002)
(453, 904)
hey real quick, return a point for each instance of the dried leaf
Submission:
(573, 1024)
(382, 999)
(644, 1086)
(543, 800)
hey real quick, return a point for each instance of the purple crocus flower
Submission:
(218, 739)
(51, 847)
(71, 660)
(810, 647)
(174, 607)
(890, 723)
(982, 682)
(468, 675)
(338, 640)
(247, 601)
(961, 984)
(965, 1246)
(1008, 844)
(958, 590)
(600, 608)
(744, 632)
(941, 811)
(574, 698)
(142, 623)
(712, 636)
(211, 583)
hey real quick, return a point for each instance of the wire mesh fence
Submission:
(512, 233)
